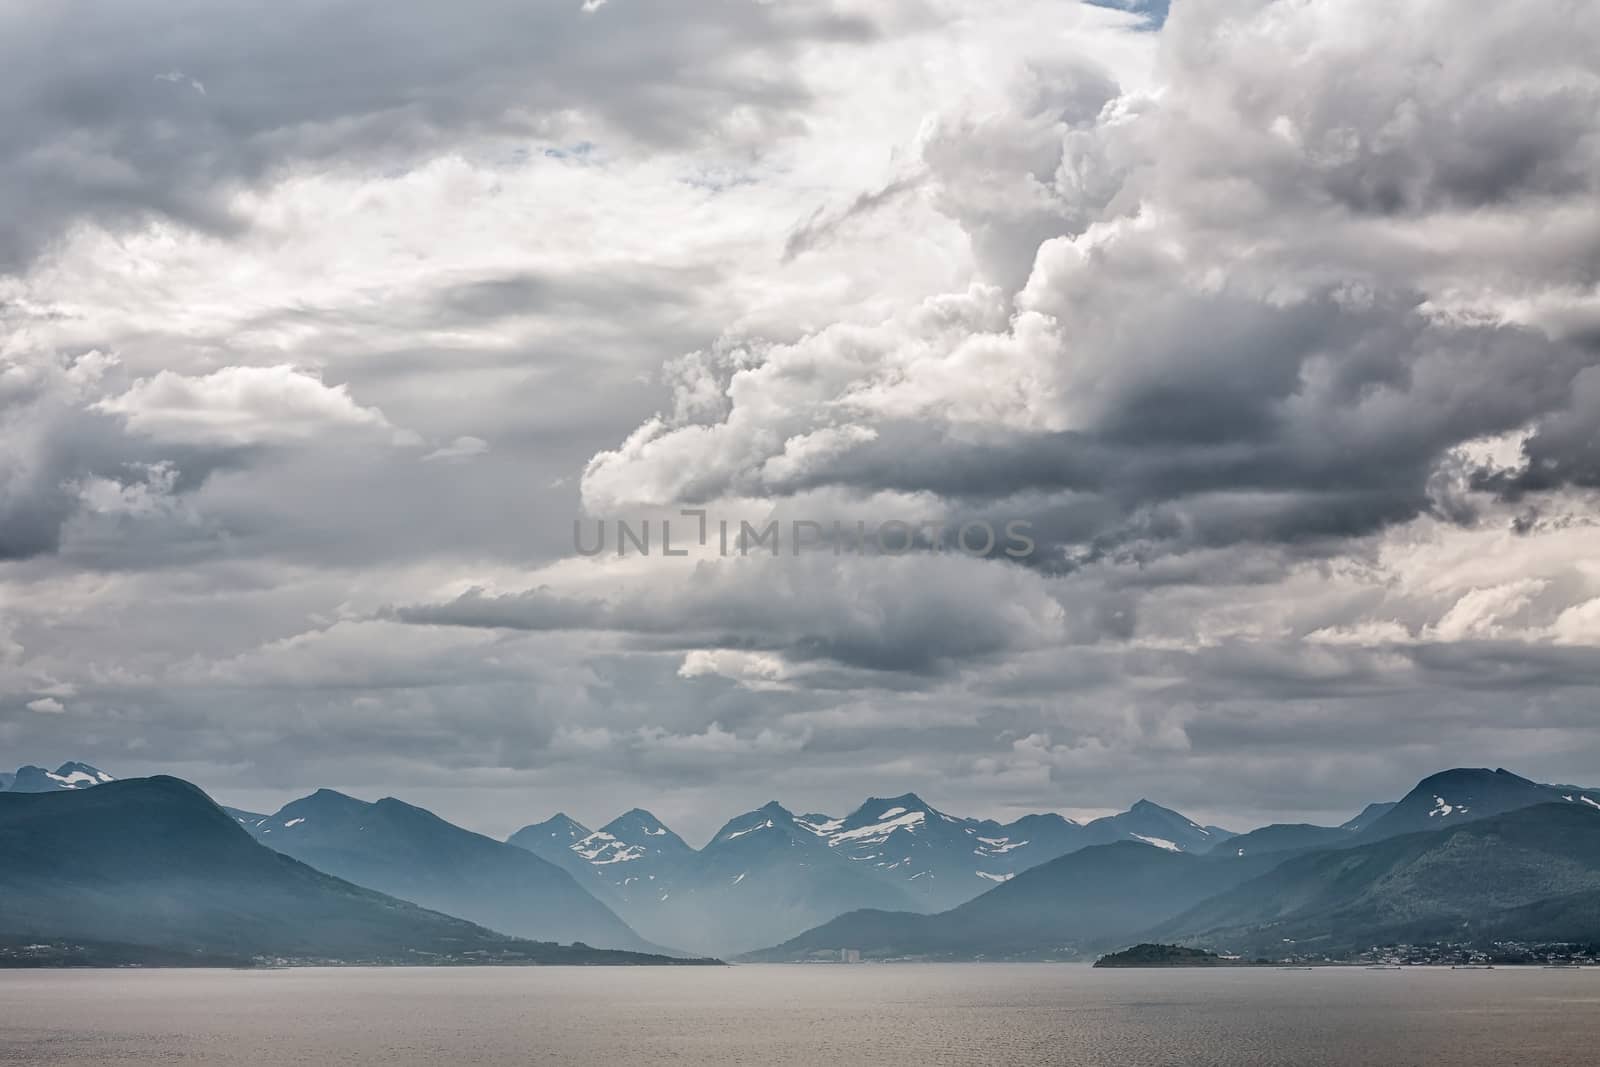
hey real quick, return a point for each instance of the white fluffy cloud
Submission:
(243, 406)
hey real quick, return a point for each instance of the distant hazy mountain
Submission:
(764, 875)
(940, 860)
(631, 863)
(1529, 873)
(150, 870)
(71, 775)
(413, 854)
(769, 873)
(1465, 794)
(1062, 909)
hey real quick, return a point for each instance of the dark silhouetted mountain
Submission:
(411, 853)
(1452, 797)
(1062, 909)
(1518, 874)
(70, 775)
(101, 875)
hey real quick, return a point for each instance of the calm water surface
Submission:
(949, 1014)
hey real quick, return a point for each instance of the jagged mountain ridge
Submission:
(768, 873)
(150, 870)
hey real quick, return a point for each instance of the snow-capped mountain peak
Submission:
(771, 816)
(70, 775)
(642, 831)
(560, 831)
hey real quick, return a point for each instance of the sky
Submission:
(1275, 322)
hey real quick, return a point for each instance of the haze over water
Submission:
(901, 1014)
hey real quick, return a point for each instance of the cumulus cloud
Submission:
(242, 406)
(1343, 354)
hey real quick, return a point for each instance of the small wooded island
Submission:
(1148, 955)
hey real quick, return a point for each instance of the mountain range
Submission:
(1466, 853)
(769, 873)
(897, 877)
(150, 870)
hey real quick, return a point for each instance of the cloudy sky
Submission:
(1278, 320)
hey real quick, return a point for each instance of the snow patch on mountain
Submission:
(878, 832)
(1158, 842)
(1444, 809)
(748, 830)
(601, 848)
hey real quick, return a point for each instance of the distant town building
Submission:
(849, 955)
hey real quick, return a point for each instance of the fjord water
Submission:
(889, 1014)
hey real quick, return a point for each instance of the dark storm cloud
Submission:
(1563, 449)
(1251, 430)
(54, 446)
(870, 614)
(126, 112)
